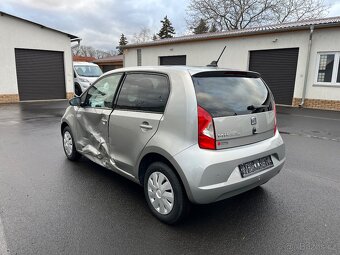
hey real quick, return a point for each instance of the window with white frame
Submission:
(328, 68)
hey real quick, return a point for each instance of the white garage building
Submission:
(299, 61)
(36, 61)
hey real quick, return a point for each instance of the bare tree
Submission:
(144, 35)
(295, 10)
(89, 51)
(104, 54)
(239, 14)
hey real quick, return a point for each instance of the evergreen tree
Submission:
(122, 41)
(213, 28)
(167, 30)
(201, 28)
(154, 37)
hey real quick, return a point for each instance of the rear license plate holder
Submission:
(255, 166)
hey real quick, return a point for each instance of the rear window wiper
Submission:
(257, 107)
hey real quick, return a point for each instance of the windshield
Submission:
(228, 96)
(88, 71)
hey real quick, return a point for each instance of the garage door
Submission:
(278, 69)
(173, 60)
(40, 74)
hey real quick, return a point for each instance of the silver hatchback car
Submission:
(186, 134)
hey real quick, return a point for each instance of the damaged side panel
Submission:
(93, 138)
(93, 134)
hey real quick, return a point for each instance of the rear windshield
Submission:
(229, 96)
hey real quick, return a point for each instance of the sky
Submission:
(101, 22)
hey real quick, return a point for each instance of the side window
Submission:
(326, 66)
(102, 92)
(144, 92)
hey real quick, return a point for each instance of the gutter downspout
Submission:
(307, 66)
(75, 40)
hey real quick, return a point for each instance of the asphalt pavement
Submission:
(49, 205)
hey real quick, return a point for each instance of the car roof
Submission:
(192, 70)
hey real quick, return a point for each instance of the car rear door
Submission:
(135, 119)
(241, 105)
(93, 117)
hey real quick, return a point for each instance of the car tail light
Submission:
(206, 130)
(275, 122)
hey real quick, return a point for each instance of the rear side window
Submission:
(144, 92)
(232, 95)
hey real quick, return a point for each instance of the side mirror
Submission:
(75, 101)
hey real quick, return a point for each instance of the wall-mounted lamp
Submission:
(275, 40)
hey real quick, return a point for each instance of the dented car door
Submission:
(93, 119)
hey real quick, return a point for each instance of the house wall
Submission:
(324, 40)
(16, 33)
(237, 55)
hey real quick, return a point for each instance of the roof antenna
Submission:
(214, 62)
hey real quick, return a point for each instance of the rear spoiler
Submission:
(246, 74)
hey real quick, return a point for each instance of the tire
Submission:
(156, 196)
(70, 152)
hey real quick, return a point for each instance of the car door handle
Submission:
(104, 121)
(145, 125)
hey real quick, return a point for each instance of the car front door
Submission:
(136, 116)
(93, 119)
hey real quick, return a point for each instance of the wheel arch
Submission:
(161, 156)
(64, 124)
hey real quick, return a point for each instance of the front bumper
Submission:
(214, 175)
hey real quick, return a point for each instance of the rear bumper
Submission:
(214, 175)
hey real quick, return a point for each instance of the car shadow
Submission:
(239, 210)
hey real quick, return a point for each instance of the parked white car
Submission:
(84, 74)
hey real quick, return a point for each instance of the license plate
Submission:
(255, 166)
